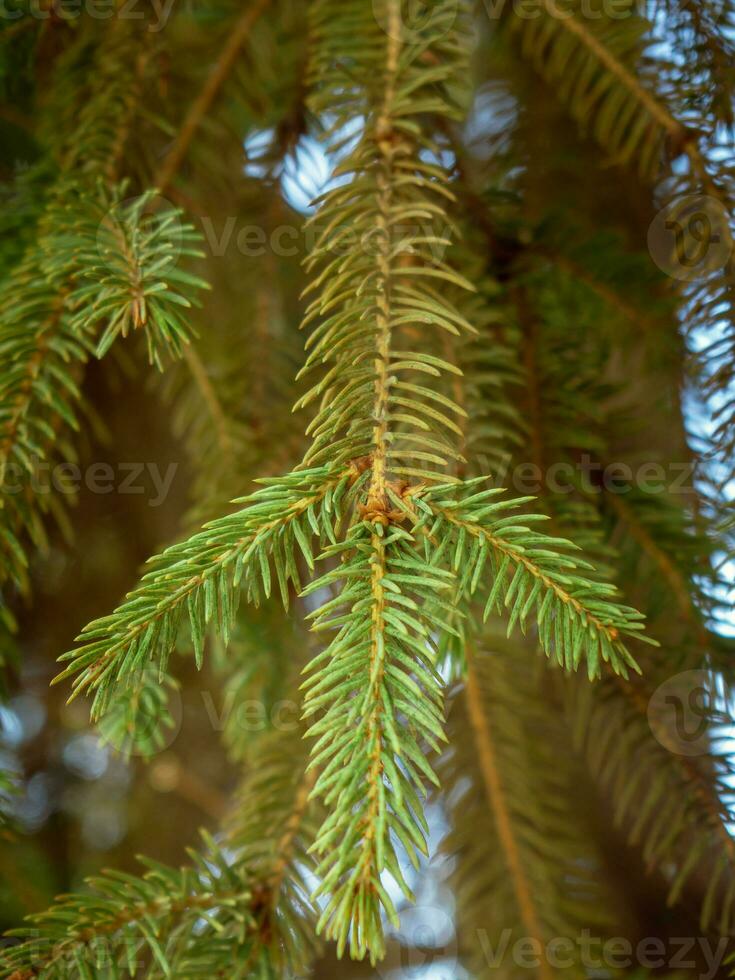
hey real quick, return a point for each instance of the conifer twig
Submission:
(236, 38)
(482, 730)
(175, 158)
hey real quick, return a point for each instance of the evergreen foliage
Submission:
(469, 312)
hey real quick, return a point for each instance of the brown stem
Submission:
(384, 137)
(494, 791)
(655, 109)
(214, 406)
(666, 566)
(374, 731)
(201, 105)
(529, 328)
(293, 824)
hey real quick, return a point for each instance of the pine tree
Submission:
(483, 307)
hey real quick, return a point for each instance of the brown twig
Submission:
(494, 791)
(201, 105)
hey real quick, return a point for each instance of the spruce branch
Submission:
(713, 50)
(577, 616)
(236, 39)
(505, 246)
(199, 580)
(380, 275)
(375, 681)
(425, 354)
(510, 758)
(674, 807)
(142, 287)
(599, 87)
(635, 123)
(48, 318)
(364, 302)
(379, 701)
(106, 927)
(657, 528)
(109, 264)
(486, 754)
(681, 139)
(129, 276)
(241, 904)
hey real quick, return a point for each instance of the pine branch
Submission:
(672, 805)
(200, 579)
(577, 616)
(129, 277)
(376, 680)
(589, 69)
(532, 873)
(668, 528)
(630, 136)
(551, 242)
(377, 272)
(481, 728)
(236, 39)
(125, 276)
(42, 341)
(137, 274)
(379, 701)
(633, 121)
(713, 49)
(394, 321)
(128, 913)
(241, 906)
